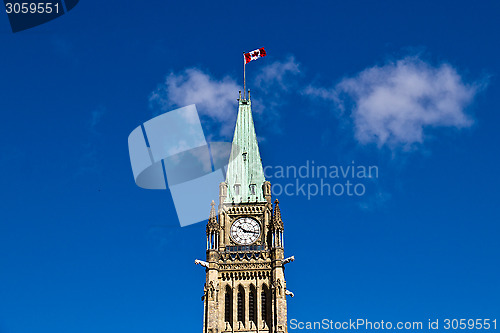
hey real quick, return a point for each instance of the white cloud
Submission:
(214, 98)
(277, 75)
(393, 104)
(272, 82)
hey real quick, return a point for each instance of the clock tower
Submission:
(245, 289)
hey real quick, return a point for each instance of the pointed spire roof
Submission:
(277, 221)
(212, 224)
(245, 175)
(212, 210)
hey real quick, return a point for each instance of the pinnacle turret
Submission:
(277, 222)
(212, 224)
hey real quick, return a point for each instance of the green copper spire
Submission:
(245, 175)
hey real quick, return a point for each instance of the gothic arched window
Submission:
(264, 299)
(252, 298)
(228, 307)
(241, 304)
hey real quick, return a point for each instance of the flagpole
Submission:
(244, 76)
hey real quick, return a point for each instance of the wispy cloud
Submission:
(393, 104)
(278, 75)
(95, 118)
(214, 98)
(89, 154)
(274, 82)
(374, 200)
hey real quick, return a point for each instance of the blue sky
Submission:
(411, 87)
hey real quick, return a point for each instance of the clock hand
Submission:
(244, 230)
(248, 231)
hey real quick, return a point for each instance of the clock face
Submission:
(245, 231)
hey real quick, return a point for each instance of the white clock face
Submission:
(245, 231)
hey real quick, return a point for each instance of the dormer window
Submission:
(252, 189)
(237, 189)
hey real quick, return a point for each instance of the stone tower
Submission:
(245, 289)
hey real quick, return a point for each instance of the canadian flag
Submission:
(254, 55)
